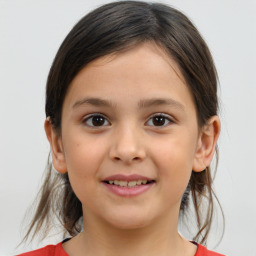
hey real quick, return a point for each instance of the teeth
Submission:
(132, 183)
(139, 182)
(123, 183)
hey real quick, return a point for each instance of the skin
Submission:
(129, 142)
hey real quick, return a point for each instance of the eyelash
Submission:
(161, 115)
(89, 117)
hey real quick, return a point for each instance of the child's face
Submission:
(145, 125)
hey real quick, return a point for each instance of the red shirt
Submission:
(57, 250)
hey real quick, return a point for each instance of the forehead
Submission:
(152, 52)
(143, 71)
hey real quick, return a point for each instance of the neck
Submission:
(161, 238)
(139, 241)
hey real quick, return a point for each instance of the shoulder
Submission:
(203, 251)
(49, 250)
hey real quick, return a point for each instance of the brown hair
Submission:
(115, 27)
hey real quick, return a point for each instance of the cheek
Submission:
(174, 161)
(175, 174)
(83, 159)
(82, 155)
(176, 153)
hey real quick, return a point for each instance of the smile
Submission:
(133, 183)
(128, 186)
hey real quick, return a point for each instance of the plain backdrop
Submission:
(31, 32)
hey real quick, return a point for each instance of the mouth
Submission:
(128, 184)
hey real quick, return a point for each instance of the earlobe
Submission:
(206, 144)
(58, 157)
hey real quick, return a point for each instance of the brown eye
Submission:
(96, 121)
(159, 120)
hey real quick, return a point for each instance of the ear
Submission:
(58, 157)
(206, 144)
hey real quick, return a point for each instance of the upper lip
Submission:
(131, 177)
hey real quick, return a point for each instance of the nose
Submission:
(127, 146)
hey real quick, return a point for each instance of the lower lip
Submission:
(128, 191)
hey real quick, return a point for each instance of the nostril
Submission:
(126, 152)
(133, 159)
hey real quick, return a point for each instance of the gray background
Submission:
(30, 34)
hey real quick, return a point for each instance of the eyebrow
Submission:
(160, 102)
(95, 102)
(142, 103)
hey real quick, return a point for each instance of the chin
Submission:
(129, 226)
(129, 221)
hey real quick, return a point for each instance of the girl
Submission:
(131, 118)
